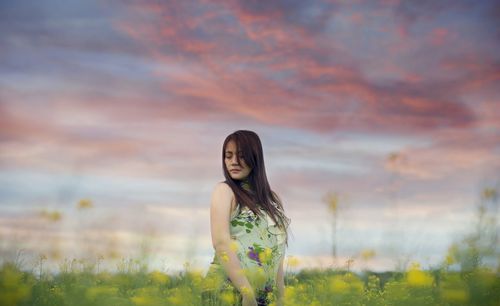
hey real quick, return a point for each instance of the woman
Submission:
(248, 229)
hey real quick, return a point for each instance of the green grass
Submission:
(81, 287)
(81, 283)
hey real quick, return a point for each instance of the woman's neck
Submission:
(245, 184)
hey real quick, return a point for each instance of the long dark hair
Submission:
(260, 195)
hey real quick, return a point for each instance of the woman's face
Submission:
(232, 163)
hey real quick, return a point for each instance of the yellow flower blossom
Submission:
(159, 278)
(289, 293)
(176, 300)
(228, 297)
(196, 276)
(93, 292)
(459, 296)
(234, 246)
(213, 281)
(416, 277)
(245, 290)
(449, 260)
(332, 200)
(55, 254)
(256, 276)
(84, 204)
(367, 254)
(223, 255)
(140, 300)
(265, 255)
(52, 216)
(338, 285)
(292, 261)
(489, 194)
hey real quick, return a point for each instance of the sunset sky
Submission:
(394, 105)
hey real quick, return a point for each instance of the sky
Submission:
(113, 115)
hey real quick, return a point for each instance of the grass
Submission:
(86, 286)
(462, 278)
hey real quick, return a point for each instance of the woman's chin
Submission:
(237, 177)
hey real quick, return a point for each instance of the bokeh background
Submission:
(113, 114)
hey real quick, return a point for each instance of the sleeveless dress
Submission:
(259, 245)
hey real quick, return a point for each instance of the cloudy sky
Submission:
(124, 105)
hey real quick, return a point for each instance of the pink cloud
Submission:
(439, 36)
(222, 85)
(454, 153)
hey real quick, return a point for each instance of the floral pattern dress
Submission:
(259, 245)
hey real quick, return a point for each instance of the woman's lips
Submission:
(235, 170)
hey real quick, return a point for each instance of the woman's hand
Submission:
(248, 297)
(280, 302)
(248, 301)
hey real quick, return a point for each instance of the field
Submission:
(81, 284)
(468, 275)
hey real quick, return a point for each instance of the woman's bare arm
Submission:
(280, 282)
(220, 210)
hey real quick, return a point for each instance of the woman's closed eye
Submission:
(229, 157)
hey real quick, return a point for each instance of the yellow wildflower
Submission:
(245, 290)
(84, 204)
(93, 292)
(489, 194)
(459, 296)
(256, 276)
(418, 278)
(338, 285)
(265, 255)
(53, 216)
(292, 261)
(289, 293)
(367, 254)
(158, 277)
(332, 200)
(234, 246)
(449, 260)
(223, 255)
(227, 297)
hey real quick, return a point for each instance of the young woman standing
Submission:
(248, 228)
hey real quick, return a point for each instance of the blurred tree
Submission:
(332, 200)
(480, 246)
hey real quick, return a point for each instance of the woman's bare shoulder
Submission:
(222, 188)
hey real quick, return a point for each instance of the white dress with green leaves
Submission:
(259, 244)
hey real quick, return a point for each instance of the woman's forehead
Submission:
(231, 147)
(229, 150)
